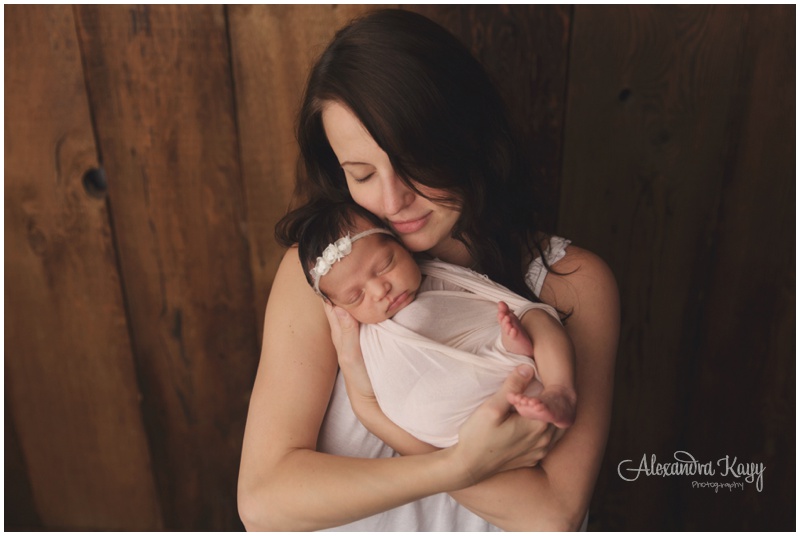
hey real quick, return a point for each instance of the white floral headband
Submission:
(336, 252)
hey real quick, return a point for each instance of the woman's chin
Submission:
(417, 244)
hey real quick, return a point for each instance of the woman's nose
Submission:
(396, 195)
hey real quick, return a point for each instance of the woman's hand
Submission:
(344, 331)
(496, 439)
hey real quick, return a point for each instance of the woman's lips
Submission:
(410, 226)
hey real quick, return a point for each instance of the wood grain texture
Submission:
(19, 505)
(745, 339)
(273, 48)
(70, 379)
(654, 134)
(160, 83)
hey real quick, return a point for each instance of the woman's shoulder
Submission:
(290, 271)
(291, 259)
(576, 257)
(580, 281)
(291, 295)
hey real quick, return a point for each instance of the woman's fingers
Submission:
(348, 332)
(495, 438)
(515, 383)
(346, 321)
(345, 334)
(332, 320)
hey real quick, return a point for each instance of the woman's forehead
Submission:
(348, 138)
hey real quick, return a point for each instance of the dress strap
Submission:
(556, 249)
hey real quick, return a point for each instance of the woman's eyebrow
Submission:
(348, 163)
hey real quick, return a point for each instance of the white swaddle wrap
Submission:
(440, 357)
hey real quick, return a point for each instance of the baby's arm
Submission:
(555, 361)
(363, 400)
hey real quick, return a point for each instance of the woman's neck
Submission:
(453, 251)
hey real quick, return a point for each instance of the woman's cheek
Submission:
(367, 197)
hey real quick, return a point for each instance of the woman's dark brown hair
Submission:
(433, 109)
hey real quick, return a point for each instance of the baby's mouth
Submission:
(397, 301)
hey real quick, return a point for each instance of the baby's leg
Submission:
(512, 334)
(554, 361)
(555, 404)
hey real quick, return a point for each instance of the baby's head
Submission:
(355, 262)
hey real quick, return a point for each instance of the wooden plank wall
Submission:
(678, 170)
(159, 79)
(134, 308)
(273, 48)
(747, 352)
(71, 386)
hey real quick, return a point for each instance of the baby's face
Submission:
(376, 280)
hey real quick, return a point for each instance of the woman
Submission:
(399, 117)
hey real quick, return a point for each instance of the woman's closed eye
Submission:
(363, 179)
(358, 172)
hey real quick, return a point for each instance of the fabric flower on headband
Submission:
(334, 252)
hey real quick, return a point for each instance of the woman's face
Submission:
(420, 223)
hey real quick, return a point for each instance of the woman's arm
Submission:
(284, 484)
(590, 292)
(556, 494)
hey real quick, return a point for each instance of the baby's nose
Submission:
(379, 288)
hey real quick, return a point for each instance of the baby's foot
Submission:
(555, 404)
(513, 336)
